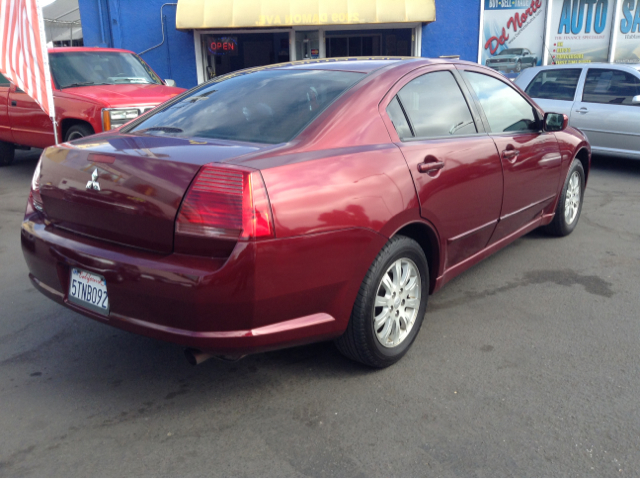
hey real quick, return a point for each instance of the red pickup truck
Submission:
(94, 90)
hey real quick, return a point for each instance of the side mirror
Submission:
(555, 121)
(170, 82)
(635, 100)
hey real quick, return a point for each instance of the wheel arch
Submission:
(584, 156)
(428, 240)
(67, 123)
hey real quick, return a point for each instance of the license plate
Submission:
(89, 290)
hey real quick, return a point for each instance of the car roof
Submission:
(86, 49)
(360, 64)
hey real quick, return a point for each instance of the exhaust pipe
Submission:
(195, 356)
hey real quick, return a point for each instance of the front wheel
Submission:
(569, 203)
(390, 305)
(78, 131)
(518, 66)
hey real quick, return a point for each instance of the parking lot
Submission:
(526, 365)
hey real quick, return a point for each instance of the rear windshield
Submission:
(268, 106)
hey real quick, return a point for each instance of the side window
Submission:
(610, 86)
(436, 107)
(559, 84)
(3, 80)
(399, 120)
(503, 106)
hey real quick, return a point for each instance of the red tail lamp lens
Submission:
(226, 202)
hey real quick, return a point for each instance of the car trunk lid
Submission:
(126, 189)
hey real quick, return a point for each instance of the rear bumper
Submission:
(266, 295)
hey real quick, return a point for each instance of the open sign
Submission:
(224, 46)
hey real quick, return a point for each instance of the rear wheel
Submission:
(569, 203)
(78, 131)
(7, 153)
(390, 305)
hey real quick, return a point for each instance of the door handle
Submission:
(14, 103)
(584, 109)
(510, 154)
(430, 166)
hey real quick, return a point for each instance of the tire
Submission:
(569, 203)
(394, 336)
(518, 66)
(78, 131)
(7, 153)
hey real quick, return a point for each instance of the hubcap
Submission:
(397, 302)
(572, 199)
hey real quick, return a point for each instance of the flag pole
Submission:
(47, 71)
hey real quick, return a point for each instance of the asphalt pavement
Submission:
(526, 365)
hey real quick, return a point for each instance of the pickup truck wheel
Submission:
(78, 131)
(7, 153)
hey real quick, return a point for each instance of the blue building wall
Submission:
(455, 32)
(136, 25)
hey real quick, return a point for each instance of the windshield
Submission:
(511, 51)
(268, 106)
(72, 69)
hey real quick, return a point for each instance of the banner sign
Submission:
(512, 34)
(580, 31)
(627, 32)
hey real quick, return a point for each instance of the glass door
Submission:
(307, 45)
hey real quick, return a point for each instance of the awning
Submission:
(275, 13)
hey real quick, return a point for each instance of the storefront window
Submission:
(226, 53)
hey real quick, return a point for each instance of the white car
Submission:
(601, 99)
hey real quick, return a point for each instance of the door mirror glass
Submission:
(169, 82)
(555, 121)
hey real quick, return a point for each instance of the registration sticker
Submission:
(89, 290)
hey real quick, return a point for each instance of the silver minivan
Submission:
(601, 99)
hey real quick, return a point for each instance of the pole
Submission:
(55, 129)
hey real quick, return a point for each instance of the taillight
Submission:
(34, 196)
(224, 203)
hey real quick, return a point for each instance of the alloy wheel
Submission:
(572, 198)
(397, 303)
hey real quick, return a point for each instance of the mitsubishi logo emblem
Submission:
(93, 184)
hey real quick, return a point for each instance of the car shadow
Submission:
(611, 163)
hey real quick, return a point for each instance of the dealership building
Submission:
(191, 41)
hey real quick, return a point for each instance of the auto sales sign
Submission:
(513, 24)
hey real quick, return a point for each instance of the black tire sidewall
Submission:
(7, 153)
(565, 228)
(406, 248)
(84, 130)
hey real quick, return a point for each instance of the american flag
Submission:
(23, 50)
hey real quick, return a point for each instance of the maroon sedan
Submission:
(300, 202)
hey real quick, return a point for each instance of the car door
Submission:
(554, 89)
(30, 125)
(454, 165)
(531, 158)
(606, 113)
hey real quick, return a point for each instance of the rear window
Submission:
(559, 84)
(268, 106)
